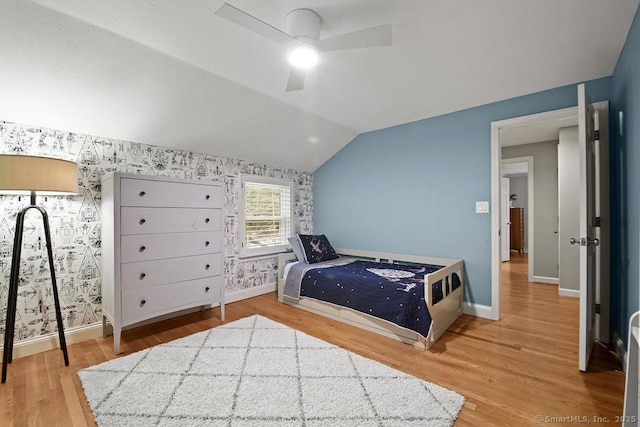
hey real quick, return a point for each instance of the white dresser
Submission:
(162, 243)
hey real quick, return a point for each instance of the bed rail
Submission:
(443, 313)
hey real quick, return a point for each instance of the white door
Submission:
(505, 224)
(587, 240)
(568, 212)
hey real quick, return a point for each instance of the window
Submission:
(265, 215)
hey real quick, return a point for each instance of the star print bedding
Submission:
(393, 292)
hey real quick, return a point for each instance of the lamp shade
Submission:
(40, 174)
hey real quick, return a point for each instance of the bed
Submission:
(443, 291)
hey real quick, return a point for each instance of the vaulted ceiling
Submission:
(172, 73)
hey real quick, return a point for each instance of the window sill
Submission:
(255, 257)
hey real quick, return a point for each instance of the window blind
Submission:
(267, 214)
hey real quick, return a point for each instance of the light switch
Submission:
(482, 207)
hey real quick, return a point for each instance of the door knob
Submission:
(585, 242)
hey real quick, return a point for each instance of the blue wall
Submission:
(625, 183)
(412, 188)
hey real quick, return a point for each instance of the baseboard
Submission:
(477, 310)
(249, 293)
(94, 330)
(564, 292)
(620, 350)
(228, 298)
(542, 279)
(50, 341)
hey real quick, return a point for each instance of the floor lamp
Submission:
(31, 175)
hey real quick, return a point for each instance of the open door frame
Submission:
(496, 159)
(530, 209)
(505, 223)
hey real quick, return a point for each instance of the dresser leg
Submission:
(222, 310)
(117, 332)
(105, 331)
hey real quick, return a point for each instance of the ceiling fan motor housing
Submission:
(304, 25)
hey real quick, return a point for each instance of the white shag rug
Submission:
(256, 372)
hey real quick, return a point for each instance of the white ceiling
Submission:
(171, 73)
(547, 130)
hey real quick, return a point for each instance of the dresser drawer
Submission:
(136, 275)
(141, 192)
(141, 304)
(146, 247)
(167, 220)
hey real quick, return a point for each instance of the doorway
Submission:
(558, 119)
(520, 172)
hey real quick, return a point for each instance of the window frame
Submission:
(245, 252)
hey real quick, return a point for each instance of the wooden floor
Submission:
(510, 371)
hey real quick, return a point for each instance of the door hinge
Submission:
(598, 222)
(597, 308)
(596, 135)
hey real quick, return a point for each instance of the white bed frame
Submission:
(443, 313)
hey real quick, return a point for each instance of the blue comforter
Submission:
(393, 292)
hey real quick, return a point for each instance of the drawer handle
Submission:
(207, 220)
(206, 289)
(141, 194)
(142, 303)
(142, 248)
(142, 221)
(206, 243)
(142, 276)
(206, 267)
(207, 197)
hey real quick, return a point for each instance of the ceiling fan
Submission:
(302, 38)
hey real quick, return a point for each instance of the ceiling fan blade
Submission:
(251, 23)
(369, 37)
(296, 80)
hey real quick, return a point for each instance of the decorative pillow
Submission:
(297, 248)
(316, 248)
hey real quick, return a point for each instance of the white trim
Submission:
(477, 310)
(245, 253)
(543, 279)
(531, 209)
(495, 219)
(496, 162)
(259, 257)
(50, 341)
(94, 330)
(564, 292)
(250, 293)
(496, 159)
(621, 351)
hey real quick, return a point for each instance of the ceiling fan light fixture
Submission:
(302, 55)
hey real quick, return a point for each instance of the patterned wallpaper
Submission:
(75, 222)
